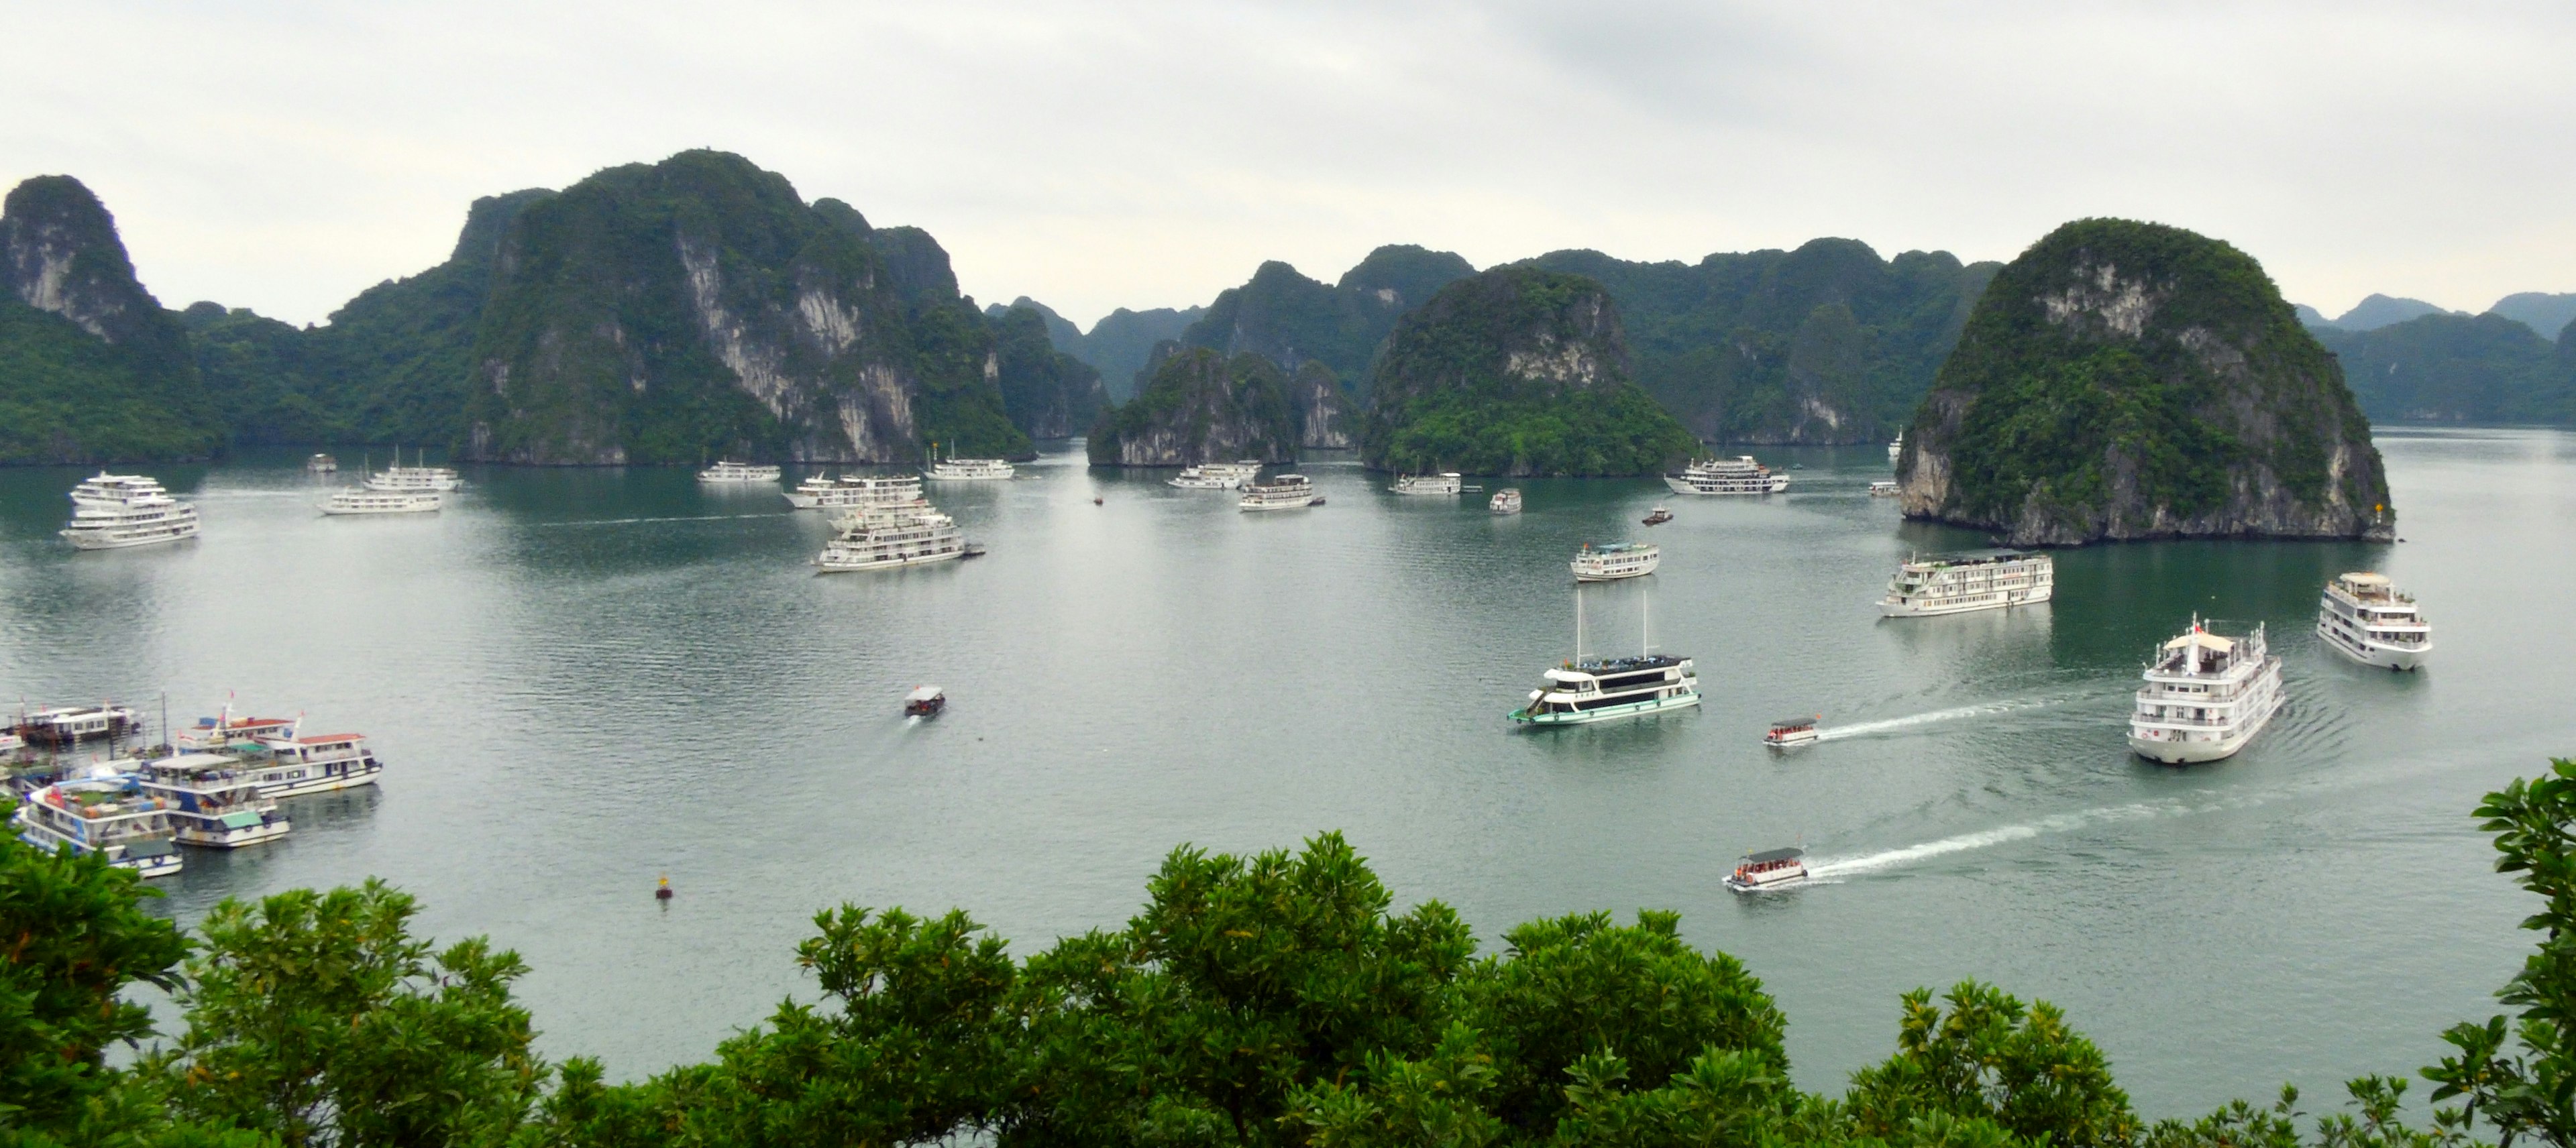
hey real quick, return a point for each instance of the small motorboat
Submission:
(1768, 869)
(971, 550)
(1792, 731)
(1883, 489)
(1318, 500)
(926, 701)
(1505, 501)
(1659, 517)
(1095, 500)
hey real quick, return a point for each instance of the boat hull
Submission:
(155, 865)
(85, 540)
(221, 838)
(2373, 654)
(1258, 508)
(345, 512)
(1765, 881)
(1608, 713)
(324, 779)
(1806, 738)
(1581, 575)
(887, 563)
(1773, 485)
(1889, 609)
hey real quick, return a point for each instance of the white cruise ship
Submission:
(727, 470)
(1445, 482)
(1216, 475)
(1896, 449)
(117, 510)
(891, 537)
(2205, 697)
(1738, 475)
(970, 470)
(1975, 580)
(359, 500)
(1616, 561)
(2364, 618)
(852, 491)
(1283, 492)
(415, 477)
(214, 801)
(110, 816)
(293, 766)
(1599, 689)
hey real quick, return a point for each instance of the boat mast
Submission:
(1578, 623)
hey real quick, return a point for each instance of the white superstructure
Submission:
(1896, 448)
(2205, 697)
(1505, 501)
(415, 477)
(970, 470)
(110, 816)
(1599, 689)
(2364, 618)
(293, 766)
(1885, 488)
(727, 470)
(214, 802)
(1975, 580)
(1445, 482)
(117, 510)
(1282, 492)
(358, 500)
(855, 490)
(890, 537)
(322, 464)
(1615, 561)
(1738, 475)
(1216, 475)
(1768, 868)
(66, 725)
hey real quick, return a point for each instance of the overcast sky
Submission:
(283, 156)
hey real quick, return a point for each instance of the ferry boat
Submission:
(1884, 488)
(1896, 448)
(1283, 492)
(1658, 516)
(1738, 475)
(1974, 580)
(1768, 869)
(322, 464)
(67, 725)
(2205, 697)
(1616, 561)
(855, 490)
(727, 470)
(215, 733)
(360, 500)
(213, 801)
(887, 538)
(110, 511)
(970, 470)
(924, 701)
(416, 477)
(294, 766)
(1505, 501)
(109, 816)
(1445, 482)
(2364, 618)
(1792, 731)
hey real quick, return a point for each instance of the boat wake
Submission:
(2003, 834)
(1890, 725)
(675, 518)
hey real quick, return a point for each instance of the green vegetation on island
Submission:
(2456, 368)
(1201, 406)
(1516, 371)
(92, 367)
(1046, 392)
(1272, 1001)
(2130, 380)
(1291, 320)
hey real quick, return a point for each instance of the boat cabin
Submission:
(1769, 867)
(925, 701)
(1792, 731)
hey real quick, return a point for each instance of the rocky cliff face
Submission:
(1047, 393)
(1321, 409)
(697, 307)
(2126, 380)
(1517, 371)
(1291, 320)
(1201, 406)
(92, 368)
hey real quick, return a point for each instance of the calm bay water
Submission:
(582, 680)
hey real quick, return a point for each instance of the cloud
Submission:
(285, 155)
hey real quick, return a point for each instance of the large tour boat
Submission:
(1599, 689)
(1282, 492)
(2364, 618)
(1974, 580)
(970, 470)
(1616, 561)
(109, 816)
(1505, 501)
(2205, 697)
(1768, 869)
(1896, 448)
(293, 766)
(1216, 475)
(1738, 475)
(1445, 482)
(419, 476)
(213, 800)
(358, 500)
(110, 511)
(888, 538)
(822, 492)
(66, 725)
(728, 471)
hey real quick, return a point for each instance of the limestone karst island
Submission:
(1268, 576)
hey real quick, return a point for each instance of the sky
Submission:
(284, 156)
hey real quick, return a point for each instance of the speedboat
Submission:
(1658, 517)
(1505, 501)
(924, 701)
(1768, 869)
(1792, 731)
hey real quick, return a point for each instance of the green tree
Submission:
(2522, 1081)
(1989, 1057)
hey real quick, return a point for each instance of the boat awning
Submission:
(2206, 641)
(1770, 855)
(2365, 579)
(241, 819)
(1793, 723)
(923, 694)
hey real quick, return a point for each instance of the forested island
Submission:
(2127, 380)
(1270, 1000)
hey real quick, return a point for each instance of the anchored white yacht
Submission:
(110, 816)
(727, 470)
(970, 470)
(1584, 690)
(1738, 475)
(1616, 561)
(2205, 697)
(1897, 448)
(1505, 501)
(1282, 492)
(890, 537)
(360, 500)
(111, 511)
(855, 490)
(1974, 580)
(2364, 618)
(1445, 482)
(1216, 475)
(416, 477)
(214, 801)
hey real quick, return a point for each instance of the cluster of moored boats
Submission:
(214, 785)
(115, 511)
